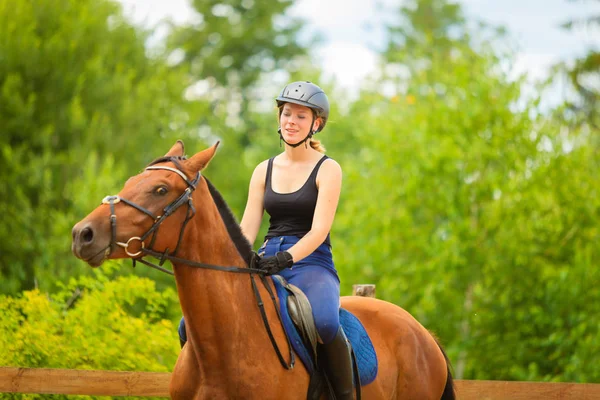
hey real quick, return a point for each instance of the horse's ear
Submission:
(178, 150)
(200, 160)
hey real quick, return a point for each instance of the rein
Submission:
(186, 197)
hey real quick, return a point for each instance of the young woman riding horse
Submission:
(299, 189)
(171, 211)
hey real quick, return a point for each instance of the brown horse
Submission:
(228, 354)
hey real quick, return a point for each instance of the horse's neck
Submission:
(219, 307)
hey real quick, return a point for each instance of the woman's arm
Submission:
(254, 207)
(329, 183)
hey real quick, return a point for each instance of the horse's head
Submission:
(150, 211)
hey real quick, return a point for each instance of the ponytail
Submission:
(316, 144)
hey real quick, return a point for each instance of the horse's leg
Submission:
(187, 384)
(255, 377)
(185, 378)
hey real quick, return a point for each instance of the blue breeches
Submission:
(316, 276)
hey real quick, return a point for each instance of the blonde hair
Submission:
(316, 144)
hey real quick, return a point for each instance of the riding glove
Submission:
(274, 264)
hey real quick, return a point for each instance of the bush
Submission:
(92, 323)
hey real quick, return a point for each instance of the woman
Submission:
(300, 189)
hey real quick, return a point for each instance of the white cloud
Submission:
(535, 65)
(351, 28)
(347, 63)
(152, 11)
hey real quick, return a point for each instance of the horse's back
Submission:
(411, 363)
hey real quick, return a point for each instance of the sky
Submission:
(353, 29)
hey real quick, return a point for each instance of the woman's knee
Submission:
(327, 328)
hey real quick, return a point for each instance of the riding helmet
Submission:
(306, 94)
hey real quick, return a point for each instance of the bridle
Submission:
(185, 198)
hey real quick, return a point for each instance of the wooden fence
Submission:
(154, 384)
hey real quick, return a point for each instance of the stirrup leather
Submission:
(301, 313)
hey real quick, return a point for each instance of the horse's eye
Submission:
(161, 191)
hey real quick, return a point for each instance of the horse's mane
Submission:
(235, 232)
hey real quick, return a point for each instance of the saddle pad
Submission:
(366, 358)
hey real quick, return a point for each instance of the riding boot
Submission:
(338, 365)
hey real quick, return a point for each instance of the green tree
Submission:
(583, 75)
(232, 43)
(461, 205)
(76, 84)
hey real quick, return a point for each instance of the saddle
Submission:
(299, 324)
(300, 312)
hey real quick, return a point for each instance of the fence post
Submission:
(364, 290)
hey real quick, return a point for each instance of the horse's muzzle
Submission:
(90, 243)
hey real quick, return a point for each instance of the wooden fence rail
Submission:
(83, 382)
(154, 384)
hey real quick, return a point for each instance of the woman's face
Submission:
(295, 122)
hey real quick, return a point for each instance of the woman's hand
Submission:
(274, 264)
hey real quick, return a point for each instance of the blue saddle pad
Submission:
(366, 358)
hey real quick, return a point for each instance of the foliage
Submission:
(463, 200)
(470, 205)
(582, 76)
(233, 42)
(540, 278)
(75, 79)
(91, 323)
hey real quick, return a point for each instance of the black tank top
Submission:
(292, 213)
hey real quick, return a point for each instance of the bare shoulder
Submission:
(260, 173)
(330, 171)
(262, 167)
(331, 167)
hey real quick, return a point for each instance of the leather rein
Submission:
(186, 198)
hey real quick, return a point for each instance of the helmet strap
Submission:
(310, 134)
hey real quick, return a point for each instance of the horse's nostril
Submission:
(87, 234)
